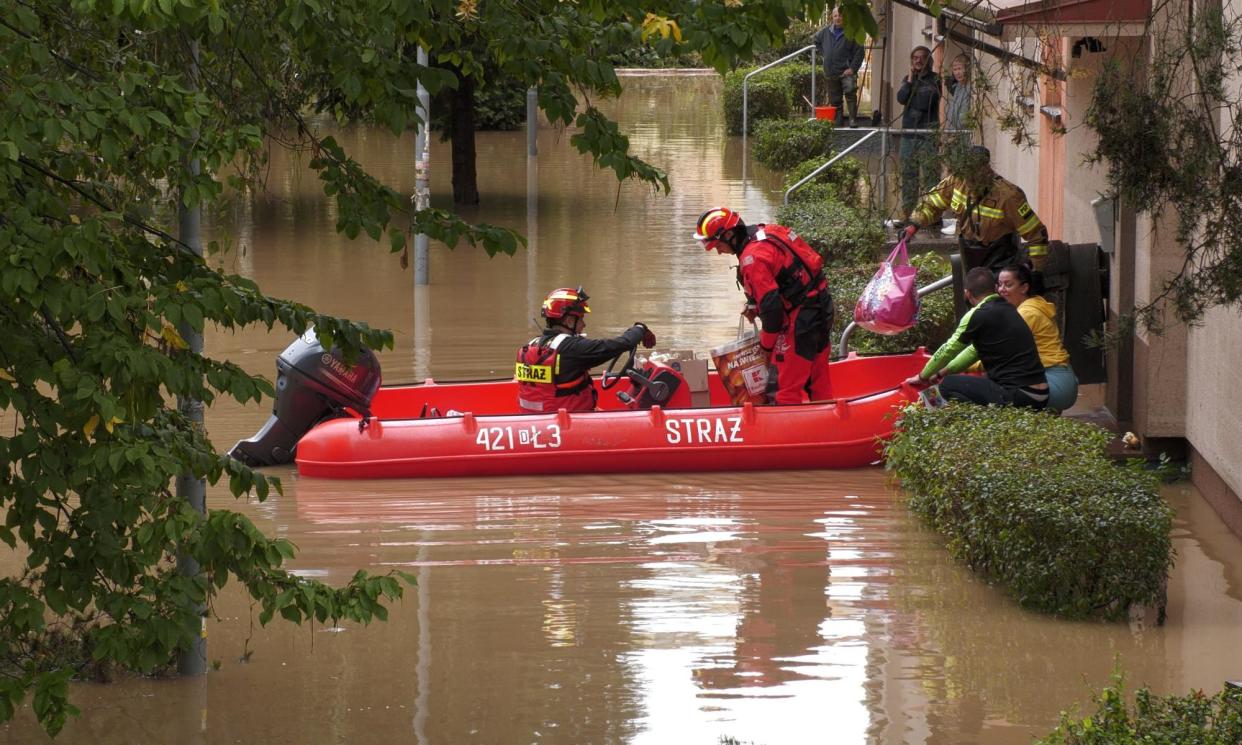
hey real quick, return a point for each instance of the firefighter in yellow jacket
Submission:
(992, 214)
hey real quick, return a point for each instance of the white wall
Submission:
(1214, 396)
(1214, 363)
(1084, 183)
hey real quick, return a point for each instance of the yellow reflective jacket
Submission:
(1000, 210)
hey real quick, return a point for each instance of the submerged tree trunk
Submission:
(461, 122)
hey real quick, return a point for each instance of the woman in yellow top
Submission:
(1014, 284)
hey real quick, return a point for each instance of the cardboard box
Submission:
(694, 370)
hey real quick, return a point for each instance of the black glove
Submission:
(648, 336)
(773, 384)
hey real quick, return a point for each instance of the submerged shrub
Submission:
(936, 321)
(843, 181)
(843, 235)
(781, 144)
(774, 94)
(1194, 718)
(1030, 501)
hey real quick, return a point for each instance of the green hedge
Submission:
(843, 182)
(936, 321)
(1030, 502)
(782, 144)
(843, 235)
(1195, 718)
(774, 94)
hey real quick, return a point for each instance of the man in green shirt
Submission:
(994, 333)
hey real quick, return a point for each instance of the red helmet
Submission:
(714, 223)
(563, 302)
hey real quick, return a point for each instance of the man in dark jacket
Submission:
(920, 95)
(554, 369)
(842, 58)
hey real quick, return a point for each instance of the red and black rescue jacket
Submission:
(553, 371)
(781, 274)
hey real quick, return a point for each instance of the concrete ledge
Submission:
(1216, 492)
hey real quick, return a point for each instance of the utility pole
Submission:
(422, 176)
(192, 660)
(532, 121)
(532, 198)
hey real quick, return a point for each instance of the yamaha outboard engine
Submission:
(311, 385)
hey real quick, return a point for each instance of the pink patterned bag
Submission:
(889, 304)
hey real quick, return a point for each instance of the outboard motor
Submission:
(311, 385)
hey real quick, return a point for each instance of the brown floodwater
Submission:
(784, 607)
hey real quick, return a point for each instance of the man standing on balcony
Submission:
(920, 95)
(842, 58)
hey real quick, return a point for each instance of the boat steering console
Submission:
(655, 384)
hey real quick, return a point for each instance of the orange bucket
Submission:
(743, 368)
(826, 112)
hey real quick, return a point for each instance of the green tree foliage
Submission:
(105, 106)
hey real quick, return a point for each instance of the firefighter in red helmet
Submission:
(783, 279)
(554, 369)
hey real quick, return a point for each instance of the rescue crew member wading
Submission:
(554, 370)
(783, 279)
(992, 213)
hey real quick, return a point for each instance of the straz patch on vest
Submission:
(525, 373)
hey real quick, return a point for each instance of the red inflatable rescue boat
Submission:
(469, 429)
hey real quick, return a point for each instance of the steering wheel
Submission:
(611, 378)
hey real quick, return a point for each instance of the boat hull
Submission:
(846, 433)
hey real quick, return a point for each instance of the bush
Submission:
(653, 55)
(781, 144)
(1196, 718)
(936, 320)
(1030, 502)
(844, 180)
(774, 94)
(499, 105)
(843, 235)
(798, 34)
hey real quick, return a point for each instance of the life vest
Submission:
(802, 276)
(537, 374)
